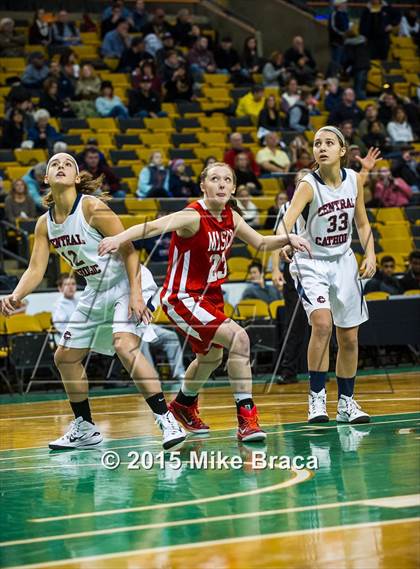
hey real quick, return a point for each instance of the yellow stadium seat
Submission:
(22, 323)
(214, 123)
(119, 80)
(211, 139)
(159, 316)
(156, 139)
(161, 124)
(203, 153)
(44, 320)
(395, 230)
(132, 184)
(90, 38)
(103, 124)
(318, 121)
(103, 138)
(252, 308)
(15, 172)
(412, 292)
(263, 202)
(30, 156)
(239, 265)
(260, 255)
(377, 295)
(145, 206)
(170, 109)
(385, 214)
(273, 306)
(270, 186)
(12, 64)
(85, 51)
(216, 79)
(111, 62)
(229, 309)
(403, 246)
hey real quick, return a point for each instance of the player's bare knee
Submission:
(348, 342)
(125, 345)
(322, 327)
(65, 357)
(240, 343)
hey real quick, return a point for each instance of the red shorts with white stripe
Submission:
(197, 318)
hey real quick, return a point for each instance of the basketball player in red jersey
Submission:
(192, 296)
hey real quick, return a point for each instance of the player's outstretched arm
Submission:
(368, 266)
(107, 223)
(267, 243)
(35, 272)
(180, 220)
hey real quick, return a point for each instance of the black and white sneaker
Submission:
(81, 434)
(172, 432)
(317, 412)
(349, 411)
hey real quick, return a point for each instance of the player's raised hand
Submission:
(109, 245)
(139, 309)
(8, 304)
(299, 243)
(368, 267)
(369, 161)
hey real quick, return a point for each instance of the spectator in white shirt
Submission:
(399, 128)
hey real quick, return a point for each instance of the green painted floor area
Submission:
(49, 500)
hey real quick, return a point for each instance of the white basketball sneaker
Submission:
(172, 432)
(349, 411)
(317, 412)
(81, 434)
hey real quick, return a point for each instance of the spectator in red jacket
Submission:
(236, 147)
(392, 192)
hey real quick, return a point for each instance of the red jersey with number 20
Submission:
(191, 295)
(197, 265)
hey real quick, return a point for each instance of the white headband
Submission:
(68, 156)
(335, 131)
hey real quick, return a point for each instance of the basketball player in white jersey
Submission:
(116, 293)
(328, 282)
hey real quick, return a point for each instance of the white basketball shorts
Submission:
(99, 315)
(333, 284)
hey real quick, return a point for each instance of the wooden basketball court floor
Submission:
(359, 509)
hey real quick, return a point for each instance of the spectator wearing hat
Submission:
(144, 102)
(154, 178)
(139, 16)
(201, 59)
(64, 31)
(133, 56)
(108, 104)
(42, 134)
(181, 185)
(157, 25)
(182, 28)
(36, 71)
(11, 42)
(179, 87)
(116, 41)
(357, 62)
(338, 26)
(251, 104)
(228, 61)
(168, 46)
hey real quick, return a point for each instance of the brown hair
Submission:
(64, 276)
(232, 202)
(13, 190)
(344, 159)
(88, 185)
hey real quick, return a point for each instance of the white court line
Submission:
(192, 439)
(204, 520)
(210, 544)
(202, 408)
(299, 477)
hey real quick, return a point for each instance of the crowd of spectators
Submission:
(166, 62)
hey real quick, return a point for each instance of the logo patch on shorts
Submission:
(67, 335)
(320, 299)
